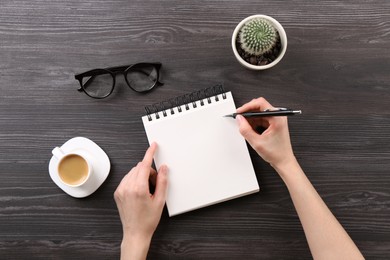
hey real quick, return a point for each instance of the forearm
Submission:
(133, 248)
(327, 239)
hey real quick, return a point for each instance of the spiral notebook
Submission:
(208, 159)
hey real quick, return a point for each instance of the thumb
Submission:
(246, 129)
(161, 184)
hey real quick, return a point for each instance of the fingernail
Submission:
(164, 169)
(239, 119)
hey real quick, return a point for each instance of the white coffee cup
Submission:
(73, 168)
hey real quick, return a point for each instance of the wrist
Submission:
(135, 246)
(288, 169)
(283, 167)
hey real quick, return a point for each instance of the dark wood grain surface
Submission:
(336, 70)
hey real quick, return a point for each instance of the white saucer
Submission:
(95, 155)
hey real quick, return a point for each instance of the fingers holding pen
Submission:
(258, 104)
(246, 129)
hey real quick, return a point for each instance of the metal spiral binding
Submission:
(186, 100)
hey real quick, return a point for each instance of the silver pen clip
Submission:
(277, 109)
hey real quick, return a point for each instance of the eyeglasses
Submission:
(99, 83)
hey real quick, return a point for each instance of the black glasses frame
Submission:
(113, 71)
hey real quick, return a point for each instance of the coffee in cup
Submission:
(73, 168)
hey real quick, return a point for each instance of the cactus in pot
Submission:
(259, 42)
(258, 36)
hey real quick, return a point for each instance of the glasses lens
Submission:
(99, 84)
(142, 77)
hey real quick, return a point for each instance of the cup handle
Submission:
(58, 153)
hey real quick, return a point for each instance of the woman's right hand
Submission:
(327, 239)
(273, 144)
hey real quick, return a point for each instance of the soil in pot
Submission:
(263, 59)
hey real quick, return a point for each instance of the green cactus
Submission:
(258, 36)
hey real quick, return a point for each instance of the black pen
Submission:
(278, 112)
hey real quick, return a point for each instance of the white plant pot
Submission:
(283, 41)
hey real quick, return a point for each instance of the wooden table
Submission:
(336, 70)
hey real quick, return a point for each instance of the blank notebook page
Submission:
(207, 158)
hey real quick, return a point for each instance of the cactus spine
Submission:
(258, 36)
